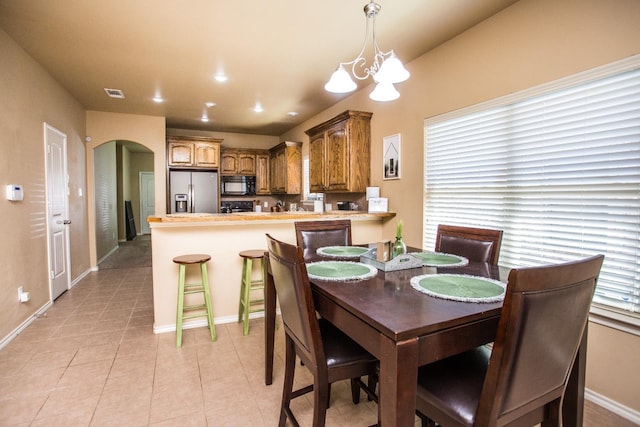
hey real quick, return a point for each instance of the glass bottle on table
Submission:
(399, 247)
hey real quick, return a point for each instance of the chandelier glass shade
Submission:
(385, 69)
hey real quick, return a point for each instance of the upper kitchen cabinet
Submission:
(193, 152)
(237, 162)
(262, 174)
(340, 154)
(286, 168)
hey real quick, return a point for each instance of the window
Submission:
(557, 168)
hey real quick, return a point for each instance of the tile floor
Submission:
(93, 360)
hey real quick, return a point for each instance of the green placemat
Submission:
(340, 270)
(459, 287)
(342, 251)
(439, 259)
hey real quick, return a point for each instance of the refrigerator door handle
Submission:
(192, 202)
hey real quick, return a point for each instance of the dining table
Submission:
(404, 329)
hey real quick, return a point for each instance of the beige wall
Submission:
(30, 97)
(529, 43)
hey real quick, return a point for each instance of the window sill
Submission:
(615, 319)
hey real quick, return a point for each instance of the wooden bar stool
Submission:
(247, 285)
(195, 310)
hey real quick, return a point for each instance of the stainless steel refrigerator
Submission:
(195, 192)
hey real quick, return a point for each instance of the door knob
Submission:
(65, 222)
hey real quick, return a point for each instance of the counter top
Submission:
(265, 216)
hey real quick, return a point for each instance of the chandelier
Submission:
(385, 69)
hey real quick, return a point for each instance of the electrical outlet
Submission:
(22, 295)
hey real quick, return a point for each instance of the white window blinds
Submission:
(559, 172)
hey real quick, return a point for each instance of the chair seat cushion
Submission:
(453, 385)
(340, 349)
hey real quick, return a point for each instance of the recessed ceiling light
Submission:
(114, 93)
(292, 113)
(158, 99)
(258, 108)
(210, 104)
(204, 118)
(220, 77)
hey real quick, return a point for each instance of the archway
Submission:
(149, 131)
(117, 168)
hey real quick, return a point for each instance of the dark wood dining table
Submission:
(405, 329)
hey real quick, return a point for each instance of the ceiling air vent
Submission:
(114, 93)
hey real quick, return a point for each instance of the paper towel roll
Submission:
(373, 192)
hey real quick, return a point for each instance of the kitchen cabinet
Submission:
(286, 168)
(193, 152)
(340, 154)
(237, 162)
(262, 174)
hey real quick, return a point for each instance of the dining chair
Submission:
(523, 379)
(475, 244)
(311, 235)
(328, 353)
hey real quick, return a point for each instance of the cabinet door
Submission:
(262, 174)
(293, 168)
(316, 164)
(337, 156)
(278, 171)
(229, 163)
(180, 154)
(207, 154)
(246, 164)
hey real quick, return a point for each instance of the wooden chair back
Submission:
(475, 244)
(544, 316)
(295, 299)
(311, 235)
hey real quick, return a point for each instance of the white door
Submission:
(147, 200)
(57, 210)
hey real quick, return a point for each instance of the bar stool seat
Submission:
(248, 285)
(194, 310)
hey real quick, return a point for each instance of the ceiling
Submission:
(278, 53)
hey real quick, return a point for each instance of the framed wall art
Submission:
(391, 157)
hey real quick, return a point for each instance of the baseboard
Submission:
(201, 323)
(107, 255)
(613, 406)
(13, 334)
(80, 277)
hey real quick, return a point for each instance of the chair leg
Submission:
(287, 387)
(246, 297)
(179, 314)
(355, 391)
(207, 301)
(372, 382)
(321, 399)
(241, 299)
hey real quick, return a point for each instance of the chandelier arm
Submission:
(359, 63)
(341, 82)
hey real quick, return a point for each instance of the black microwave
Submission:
(238, 185)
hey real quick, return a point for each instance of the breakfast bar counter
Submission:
(224, 236)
